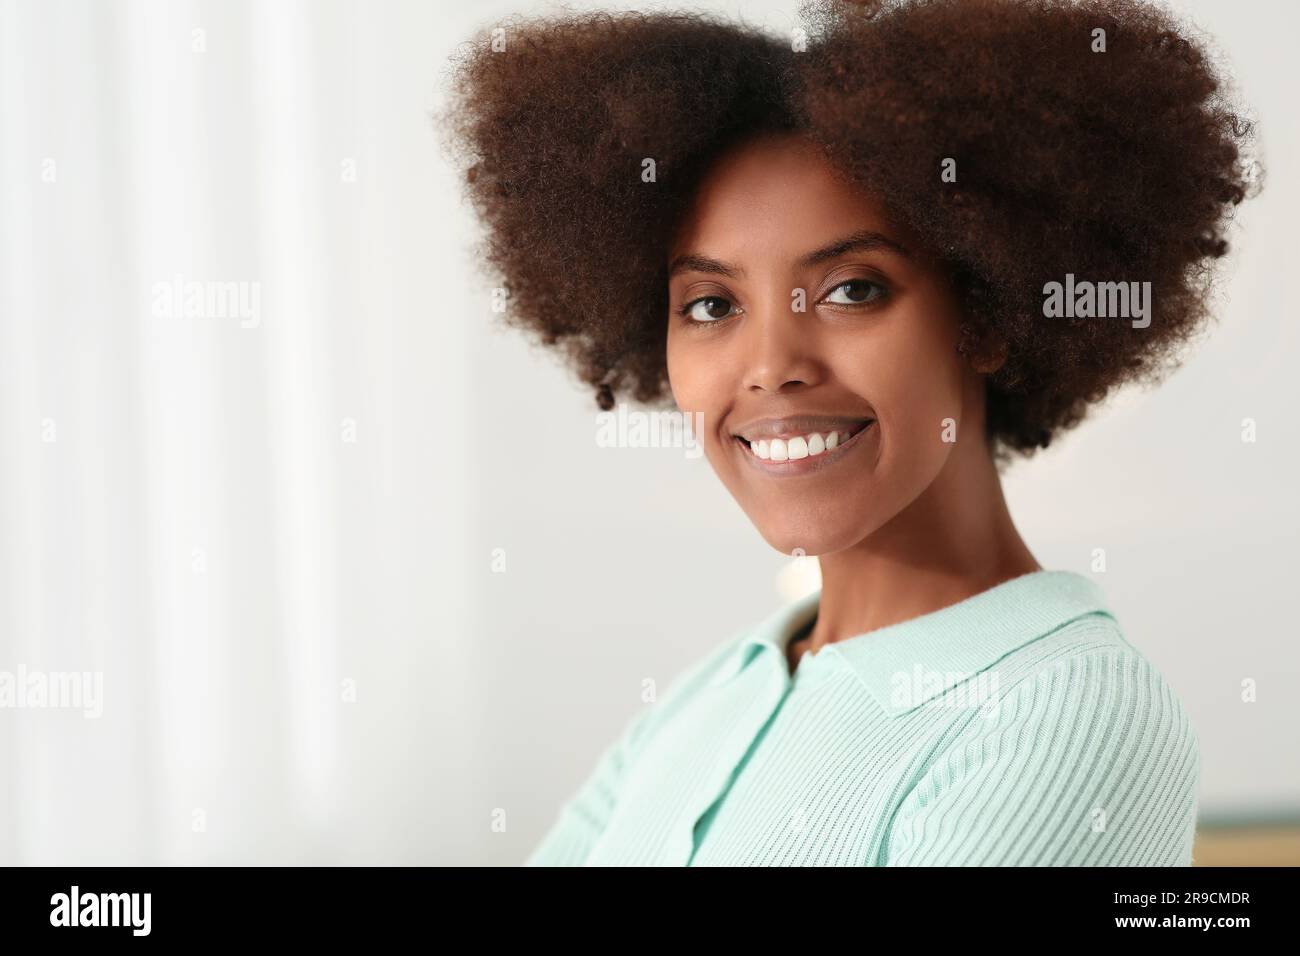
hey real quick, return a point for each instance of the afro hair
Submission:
(1119, 158)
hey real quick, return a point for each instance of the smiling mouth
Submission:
(794, 448)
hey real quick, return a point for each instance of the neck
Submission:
(954, 541)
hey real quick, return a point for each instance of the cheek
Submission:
(701, 385)
(683, 377)
(693, 384)
(913, 377)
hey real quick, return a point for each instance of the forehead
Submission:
(776, 195)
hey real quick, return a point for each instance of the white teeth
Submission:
(792, 449)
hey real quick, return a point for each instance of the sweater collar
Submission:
(906, 664)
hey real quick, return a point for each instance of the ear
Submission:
(989, 359)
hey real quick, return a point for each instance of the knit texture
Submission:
(1015, 728)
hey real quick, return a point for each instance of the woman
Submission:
(879, 259)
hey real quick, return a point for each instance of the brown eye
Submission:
(710, 308)
(855, 292)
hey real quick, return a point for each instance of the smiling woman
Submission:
(838, 269)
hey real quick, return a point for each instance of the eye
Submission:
(709, 308)
(855, 292)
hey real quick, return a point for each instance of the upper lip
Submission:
(792, 426)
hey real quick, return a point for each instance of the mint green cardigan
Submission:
(1017, 727)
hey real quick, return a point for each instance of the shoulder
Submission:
(1090, 663)
(1084, 655)
(685, 685)
(723, 657)
(1095, 729)
(1086, 757)
(1088, 673)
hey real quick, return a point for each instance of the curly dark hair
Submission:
(1117, 165)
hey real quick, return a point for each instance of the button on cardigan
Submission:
(1016, 727)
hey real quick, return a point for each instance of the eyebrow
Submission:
(857, 242)
(696, 263)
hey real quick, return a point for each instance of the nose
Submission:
(780, 350)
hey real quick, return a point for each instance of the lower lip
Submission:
(802, 466)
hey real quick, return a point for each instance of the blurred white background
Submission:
(273, 531)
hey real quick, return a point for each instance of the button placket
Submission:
(739, 745)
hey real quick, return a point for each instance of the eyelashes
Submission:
(868, 290)
(850, 294)
(692, 312)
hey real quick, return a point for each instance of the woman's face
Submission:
(819, 345)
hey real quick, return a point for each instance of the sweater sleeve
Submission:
(1090, 762)
(583, 816)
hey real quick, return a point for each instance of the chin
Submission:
(810, 538)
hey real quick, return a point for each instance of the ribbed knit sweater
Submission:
(1016, 727)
